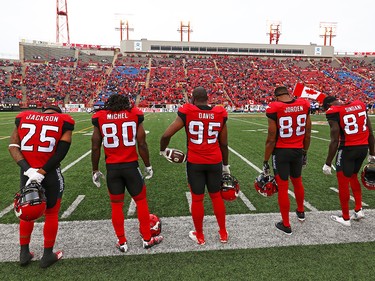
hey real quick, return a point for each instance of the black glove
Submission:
(304, 159)
(266, 168)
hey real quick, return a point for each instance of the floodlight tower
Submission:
(328, 30)
(124, 26)
(185, 29)
(62, 23)
(274, 31)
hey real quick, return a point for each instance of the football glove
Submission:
(327, 170)
(148, 172)
(371, 159)
(96, 178)
(30, 171)
(226, 169)
(266, 168)
(304, 159)
(34, 176)
(167, 154)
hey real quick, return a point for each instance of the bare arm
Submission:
(333, 145)
(271, 139)
(14, 146)
(223, 140)
(371, 139)
(96, 143)
(176, 125)
(307, 139)
(142, 145)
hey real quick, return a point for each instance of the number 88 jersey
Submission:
(290, 118)
(203, 125)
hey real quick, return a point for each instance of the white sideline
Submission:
(72, 207)
(351, 197)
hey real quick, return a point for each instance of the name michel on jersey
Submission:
(47, 117)
(296, 108)
(117, 116)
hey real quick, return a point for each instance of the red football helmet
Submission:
(229, 187)
(265, 185)
(155, 225)
(368, 176)
(30, 204)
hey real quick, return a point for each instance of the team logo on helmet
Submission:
(265, 185)
(368, 176)
(30, 204)
(229, 187)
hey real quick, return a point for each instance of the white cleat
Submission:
(358, 215)
(341, 220)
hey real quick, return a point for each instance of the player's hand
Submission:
(167, 154)
(371, 158)
(226, 169)
(304, 159)
(96, 175)
(148, 172)
(30, 171)
(327, 170)
(266, 168)
(35, 176)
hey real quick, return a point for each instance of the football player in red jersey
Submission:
(289, 132)
(119, 126)
(351, 138)
(207, 157)
(38, 144)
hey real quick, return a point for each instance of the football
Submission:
(176, 156)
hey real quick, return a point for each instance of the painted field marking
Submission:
(132, 208)
(306, 204)
(351, 197)
(73, 206)
(6, 210)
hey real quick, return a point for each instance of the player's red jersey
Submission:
(119, 133)
(203, 125)
(352, 119)
(40, 134)
(290, 118)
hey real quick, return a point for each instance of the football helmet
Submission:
(229, 187)
(265, 185)
(30, 203)
(155, 225)
(368, 176)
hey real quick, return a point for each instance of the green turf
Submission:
(166, 196)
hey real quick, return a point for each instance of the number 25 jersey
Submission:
(290, 118)
(40, 133)
(202, 126)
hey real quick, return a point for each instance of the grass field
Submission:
(166, 196)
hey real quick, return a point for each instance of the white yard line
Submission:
(351, 197)
(73, 206)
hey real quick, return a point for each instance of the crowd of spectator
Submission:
(157, 80)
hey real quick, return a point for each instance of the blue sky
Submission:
(238, 21)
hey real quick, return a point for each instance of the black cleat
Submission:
(49, 259)
(283, 228)
(300, 216)
(25, 257)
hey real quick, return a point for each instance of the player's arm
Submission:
(271, 139)
(142, 145)
(334, 134)
(307, 139)
(96, 143)
(62, 149)
(223, 141)
(371, 139)
(173, 128)
(15, 150)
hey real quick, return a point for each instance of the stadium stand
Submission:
(49, 74)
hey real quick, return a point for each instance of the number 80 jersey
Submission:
(290, 118)
(203, 125)
(119, 133)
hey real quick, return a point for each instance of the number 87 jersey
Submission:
(291, 118)
(203, 124)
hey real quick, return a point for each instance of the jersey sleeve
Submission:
(68, 123)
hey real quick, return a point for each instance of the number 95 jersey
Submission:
(203, 125)
(290, 118)
(119, 133)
